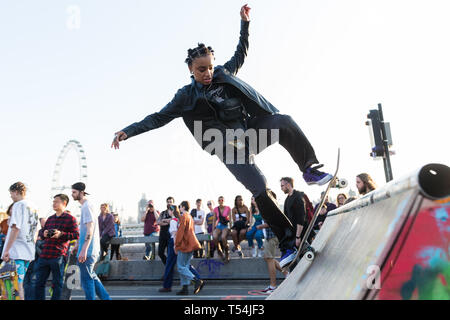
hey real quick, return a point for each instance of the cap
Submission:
(80, 186)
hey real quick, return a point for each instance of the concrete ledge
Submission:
(154, 239)
(246, 268)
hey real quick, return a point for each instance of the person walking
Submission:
(88, 246)
(175, 216)
(185, 244)
(58, 231)
(19, 248)
(215, 101)
(171, 259)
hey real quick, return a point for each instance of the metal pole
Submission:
(386, 157)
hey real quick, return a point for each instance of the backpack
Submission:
(309, 209)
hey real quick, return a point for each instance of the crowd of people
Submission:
(36, 256)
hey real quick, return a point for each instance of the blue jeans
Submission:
(148, 246)
(90, 282)
(170, 264)
(183, 265)
(29, 282)
(43, 268)
(257, 234)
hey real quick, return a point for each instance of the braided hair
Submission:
(200, 51)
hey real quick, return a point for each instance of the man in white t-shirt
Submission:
(199, 224)
(88, 246)
(20, 240)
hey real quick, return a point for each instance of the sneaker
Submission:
(287, 257)
(165, 290)
(254, 252)
(146, 258)
(184, 291)
(314, 176)
(260, 253)
(268, 290)
(240, 254)
(198, 285)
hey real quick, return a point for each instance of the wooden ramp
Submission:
(391, 244)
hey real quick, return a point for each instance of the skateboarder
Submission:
(217, 100)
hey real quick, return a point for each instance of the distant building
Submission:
(142, 206)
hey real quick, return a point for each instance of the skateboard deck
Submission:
(305, 249)
(9, 282)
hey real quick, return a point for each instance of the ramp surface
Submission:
(391, 244)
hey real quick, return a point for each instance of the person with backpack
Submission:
(295, 211)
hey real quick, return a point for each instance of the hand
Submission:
(45, 233)
(245, 13)
(83, 255)
(56, 234)
(119, 136)
(6, 256)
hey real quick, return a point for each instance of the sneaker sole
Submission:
(287, 260)
(199, 288)
(321, 182)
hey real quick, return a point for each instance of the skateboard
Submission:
(9, 281)
(305, 248)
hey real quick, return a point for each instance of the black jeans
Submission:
(104, 244)
(115, 249)
(162, 245)
(295, 142)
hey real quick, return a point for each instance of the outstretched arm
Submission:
(240, 54)
(156, 120)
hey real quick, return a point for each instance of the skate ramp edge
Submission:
(393, 243)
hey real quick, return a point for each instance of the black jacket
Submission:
(187, 98)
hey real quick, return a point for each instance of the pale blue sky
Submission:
(326, 63)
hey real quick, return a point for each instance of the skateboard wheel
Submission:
(342, 183)
(309, 256)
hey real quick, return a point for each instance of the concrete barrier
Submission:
(391, 244)
(246, 268)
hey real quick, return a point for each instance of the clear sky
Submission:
(325, 63)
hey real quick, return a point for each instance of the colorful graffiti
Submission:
(419, 265)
